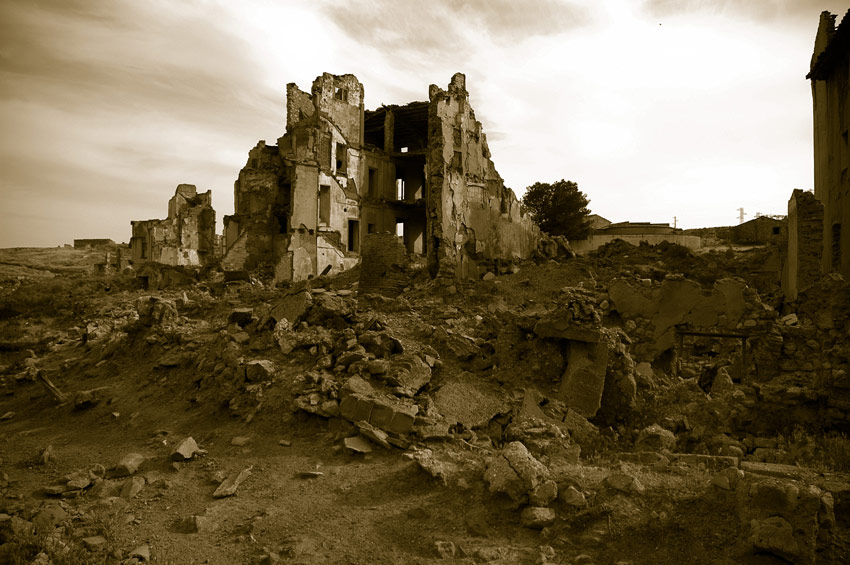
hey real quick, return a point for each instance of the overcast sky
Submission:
(661, 108)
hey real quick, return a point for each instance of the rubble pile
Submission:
(583, 421)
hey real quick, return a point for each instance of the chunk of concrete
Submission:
(584, 379)
(655, 438)
(409, 372)
(537, 518)
(229, 486)
(259, 370)
(775, 535)
(128, 465)
(185, 450)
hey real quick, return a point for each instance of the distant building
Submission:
(830, 90)
(634, 233)
(84, 243)
(759, 231)
(597, 222)
(186, 237)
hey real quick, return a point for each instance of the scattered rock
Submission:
(191, 524)
(132, 487)
(229, 486)
(94, 543)
(775, 535)
(445, 549)
(46, 455)
(357, 444)
(655, 438)
(128, 465)
(259, 371)
(515, 472)
(142, 553)
(623, 483)
(428, 461)
(544, 494)
(240, 441)
(722, 383)
(728, 478)
(185, 450)
(374, 435)
(573, 497)
(86, 399)
(537, 518)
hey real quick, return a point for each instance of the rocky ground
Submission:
(544, 414)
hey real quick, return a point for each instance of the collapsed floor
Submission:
(640, 405)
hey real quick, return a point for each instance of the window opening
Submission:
(341, 157)
(373, 179)
(324, 204)
(353, 235)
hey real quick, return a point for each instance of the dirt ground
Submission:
(95, 368)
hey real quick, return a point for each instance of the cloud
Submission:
(449, 27)
(803, 11)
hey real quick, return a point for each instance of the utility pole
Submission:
(674, 222)
(741, 215)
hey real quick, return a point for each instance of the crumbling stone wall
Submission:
(294, 201)
(382, 269)
(186, 237)
(761, 230)
(339, 173)
(803, 255)
(472, 215)
(830, 77)
(652, 311)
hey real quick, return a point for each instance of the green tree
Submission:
(559, 208)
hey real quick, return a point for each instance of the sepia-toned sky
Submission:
(660, 108)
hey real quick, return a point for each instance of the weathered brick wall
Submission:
(382, 268)
(805, 243)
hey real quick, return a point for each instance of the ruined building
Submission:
(186, 237)
(830, 76)
(819, 225)
(339, 173)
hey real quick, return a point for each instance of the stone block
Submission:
(584, 379)
(537, 518)
(356, 408)
(257, 371)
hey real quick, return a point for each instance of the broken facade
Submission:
(830, 76)
(421, 171)
(186, 237)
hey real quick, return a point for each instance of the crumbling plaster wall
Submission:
(472, 215)
(186, 237)
(278, 219)
(651, 310)
(253, 231)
